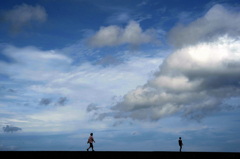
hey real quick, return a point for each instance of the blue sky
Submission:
(137, 74)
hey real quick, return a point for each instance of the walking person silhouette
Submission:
(90, 140)
(180, 143)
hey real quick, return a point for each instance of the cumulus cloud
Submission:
(216, 22)
(114, 35)
(24, 14)
(11, 128)
(194, 80)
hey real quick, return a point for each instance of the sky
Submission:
(137, 74)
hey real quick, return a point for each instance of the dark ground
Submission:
(119, 154)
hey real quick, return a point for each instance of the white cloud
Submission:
(24, 14)
(119, 17)
(143, 3)
(193, 80)
(197, 77)
(114, 35)
(51, 75)
(33, 64)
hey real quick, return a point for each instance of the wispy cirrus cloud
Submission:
(33, 63)
(52, 80)
(119, 17)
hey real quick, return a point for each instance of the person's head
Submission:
(179, 137)
(91, 134)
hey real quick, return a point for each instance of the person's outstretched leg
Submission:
(88, 148)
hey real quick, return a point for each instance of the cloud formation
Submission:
(62, 101)
(108, 60)
(33, 64)
(122, 17)
(217, 21)
(24, 14)
(91, 107)
(114, 35)
(11, 128)
(194, 80)
(45, 101)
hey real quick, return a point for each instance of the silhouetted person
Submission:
(180, 143)
(90, 140)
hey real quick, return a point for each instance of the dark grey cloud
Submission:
(91, 107)
(11, 129)
(62, 101)
(101, 116)
(24, 14)
(117, 123)
(11, 90)
(45, 101)
(26, 104)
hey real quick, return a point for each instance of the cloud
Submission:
(33, 64)
(117, 123)
(195, 80)
(91, 107)
(101, 116)
(119, 17)
(24, 14)
(50, 74)
(11, 129)
(62, 101)
(108, 60)
(143, 3)
(114, 35)
(218, 21)
(45, 101)
(11, 90)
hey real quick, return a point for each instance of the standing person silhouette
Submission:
(90, 140)
(180, 143)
